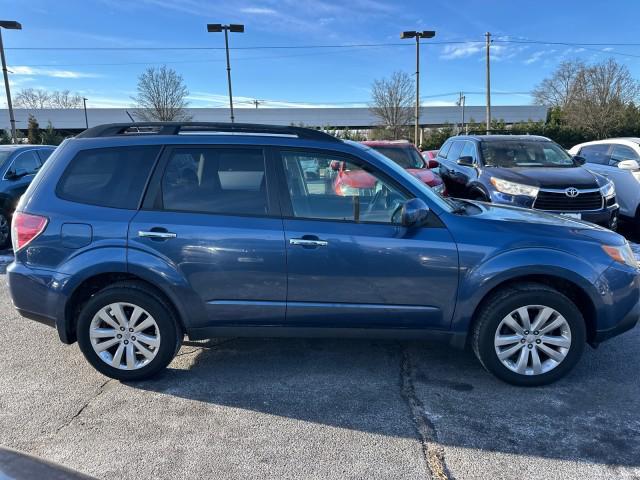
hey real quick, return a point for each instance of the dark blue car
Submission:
(526, 171)
(134, 235)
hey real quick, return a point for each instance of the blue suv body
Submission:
(526, 171)
(132, 236)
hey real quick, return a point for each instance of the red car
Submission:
(404, 154)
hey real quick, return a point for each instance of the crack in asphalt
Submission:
(432, 451)
(84, 406)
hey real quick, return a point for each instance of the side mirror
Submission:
(16, 174)
(579, 160)
(466, 161)
(414, 213)
(432, 163)
(629, 165)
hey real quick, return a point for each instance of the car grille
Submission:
(558, 201)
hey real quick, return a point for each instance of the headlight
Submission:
(609, 190)
(514, 188)
(622, 254)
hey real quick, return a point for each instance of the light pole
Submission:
(417, 35)
(86, 119)
(234, 27)
(488, 72)
(9, 25)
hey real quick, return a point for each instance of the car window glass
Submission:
(622, 152)
(445, 150)
(26, 163)
(525, 153)
(469, 150)
(330, 188)
(227, 181)
(455, 151)
(44, 154)
(596, 154)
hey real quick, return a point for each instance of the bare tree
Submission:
(36, 98)
(161, 95)
(392, 102)
(561, 89)
(33, 98)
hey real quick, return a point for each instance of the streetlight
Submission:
(234, 27)
(86, 119)
(417, 35)
(9, 25)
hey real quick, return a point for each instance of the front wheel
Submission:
(128, 332)
(529, 335)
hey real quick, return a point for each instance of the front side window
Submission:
(596, 154)
(25, 163)
(406, 157)
(108, 177)
(622, 152)
(469, 150)
(344, 191)
(529, 154)
(456, 150)
(443, 152)
(225, 181)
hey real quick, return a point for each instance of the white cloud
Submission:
(534, 57)
(461, 50)
(258, 11)
(48, 72)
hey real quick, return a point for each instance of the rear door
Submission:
(350, 264)
(211, 213)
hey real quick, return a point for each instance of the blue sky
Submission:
(313, 77)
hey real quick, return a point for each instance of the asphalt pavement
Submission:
(317, 409)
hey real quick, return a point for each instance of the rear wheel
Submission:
(529, 335)
(128, 332)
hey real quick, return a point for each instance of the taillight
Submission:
(25, 227)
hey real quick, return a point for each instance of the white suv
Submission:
(619, 160)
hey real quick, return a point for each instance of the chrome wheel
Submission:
(125, 336)
(532, 340)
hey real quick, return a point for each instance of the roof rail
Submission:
(491, 132)
(176, 128)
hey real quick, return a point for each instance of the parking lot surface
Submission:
(339, 408)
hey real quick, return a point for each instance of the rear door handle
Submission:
(308, 242)
(154, 234)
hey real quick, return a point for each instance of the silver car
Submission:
(619, 160)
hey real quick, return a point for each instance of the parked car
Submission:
(526, 171)
(618, 159)
(18, 165)
(431, 155)
(127, 241)
(406, 155)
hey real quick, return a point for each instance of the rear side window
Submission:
(108, 177)
(225, 181)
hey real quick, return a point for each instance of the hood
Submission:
(425, 175)
(548, 177)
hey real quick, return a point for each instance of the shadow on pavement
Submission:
(591, 416)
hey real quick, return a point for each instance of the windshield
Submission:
(529, 154)
(406, 157)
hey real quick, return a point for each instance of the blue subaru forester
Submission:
(134, 235)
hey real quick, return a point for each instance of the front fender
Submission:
(476, 282)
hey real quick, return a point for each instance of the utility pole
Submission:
(86, 119)
(417, 35)
(9, 25)
(256, 103)
(217, 27)
(461, 102)
(488, 35)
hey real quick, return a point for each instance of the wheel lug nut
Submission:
(530, 345)
(119, 336)
(526, 332)
(131, 329)
(536, 333)
(126, 342)
(133, 339)
(522, 341)
(538, 341)
(122, 329)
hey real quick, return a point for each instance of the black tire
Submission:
(137, 294)
(5, 231)
(479, 196)
(505, 301)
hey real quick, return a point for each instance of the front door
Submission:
(210, 214)
(349, 262)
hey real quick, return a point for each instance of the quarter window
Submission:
(226, 181)
(331, 188)
(108, 177)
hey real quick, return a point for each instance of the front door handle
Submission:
(308, 242)
(156, 234)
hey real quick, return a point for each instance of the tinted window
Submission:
(344, 191)
(455, 151)
(622, 152)
(44, 154)
(469, 150)
(25, 163)
(596, 154)
(225, 181)
(108, 177)
(406, 157)
(522, 153)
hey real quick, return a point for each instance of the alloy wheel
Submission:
(532, 340)
(124, 336)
